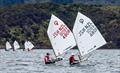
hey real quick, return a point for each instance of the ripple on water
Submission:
(115, 71)
(104, 61)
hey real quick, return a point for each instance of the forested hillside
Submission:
(30, 21)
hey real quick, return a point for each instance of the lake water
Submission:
(101, 61)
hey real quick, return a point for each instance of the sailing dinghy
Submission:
(16, 45)
(28, 45)
(87, 36)
(8, 46)
(60, 36)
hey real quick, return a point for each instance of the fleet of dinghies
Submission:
(85, 36)
(28, 46)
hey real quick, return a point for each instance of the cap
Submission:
(47, 54)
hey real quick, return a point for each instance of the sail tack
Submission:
(88, 37)
(60, 36)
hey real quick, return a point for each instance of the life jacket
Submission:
(71, 60)
(46, 59)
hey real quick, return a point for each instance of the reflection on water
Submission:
(101, 61)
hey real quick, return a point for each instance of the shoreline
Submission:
(70, 49)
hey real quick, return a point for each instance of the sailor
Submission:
(72, 60)
(29, 49)
(48, 60)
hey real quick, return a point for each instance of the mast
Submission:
(79, 56)
(54, 54)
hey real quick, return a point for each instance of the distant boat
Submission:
(16, 45)
(28, 45)
(8, 46)
(60, 36)
(88, 37)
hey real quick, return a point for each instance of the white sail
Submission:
(88, 37)
(26, 45)
(16, 45)
(60, 36)
(30, 45)
(8, 46)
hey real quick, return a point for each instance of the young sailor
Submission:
(48, 60)
(72, 60)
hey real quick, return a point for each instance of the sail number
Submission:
(89, 28)
(62, 31)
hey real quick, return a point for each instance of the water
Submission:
(101, 61)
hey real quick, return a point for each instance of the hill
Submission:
(30, 21)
